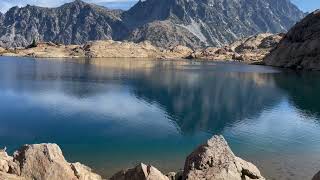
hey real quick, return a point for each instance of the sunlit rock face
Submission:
(42, 161)
(140, 172)
(214, 160)
(300, 48)
(165, 23)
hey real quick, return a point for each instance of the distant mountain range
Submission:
(194, 23)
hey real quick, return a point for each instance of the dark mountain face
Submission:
(195, 23)
(217, 22)
(72, 23)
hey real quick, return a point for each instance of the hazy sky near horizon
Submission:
(305, 5)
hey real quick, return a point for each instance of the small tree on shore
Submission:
(33, 44)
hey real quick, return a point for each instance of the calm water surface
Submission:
(112, 114)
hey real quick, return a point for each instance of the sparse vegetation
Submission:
(33, 44)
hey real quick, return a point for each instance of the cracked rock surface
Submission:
(213, 160)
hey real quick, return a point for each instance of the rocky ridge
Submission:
(72, 23)
(166, 23)
(252, 49)
(213, 160)
(42, 162)
(300, 48)
(202, 23)
(99, 49)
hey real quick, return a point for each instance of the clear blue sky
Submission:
(305, 5)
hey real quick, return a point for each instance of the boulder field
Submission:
(251, 49)
(99, 49)
(213, 160)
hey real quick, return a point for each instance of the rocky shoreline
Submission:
(99, 49)
(300, 48)
(297, 49)
(213, 160)
(250, 50)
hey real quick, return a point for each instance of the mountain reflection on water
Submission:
(113, 113)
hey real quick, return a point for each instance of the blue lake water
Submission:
(114, 113)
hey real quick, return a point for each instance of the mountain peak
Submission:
(216, 22)
(194, 23)
(78, 3)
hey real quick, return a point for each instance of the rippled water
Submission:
(112, 114)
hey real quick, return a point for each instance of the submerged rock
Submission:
(140, 172)
(215, 161)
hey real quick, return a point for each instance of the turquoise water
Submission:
(112, 114)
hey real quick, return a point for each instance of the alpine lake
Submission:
(111, 114)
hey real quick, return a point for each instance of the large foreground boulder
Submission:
(214, 160)
(140, 172)
(42, 162)
(300, 48)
